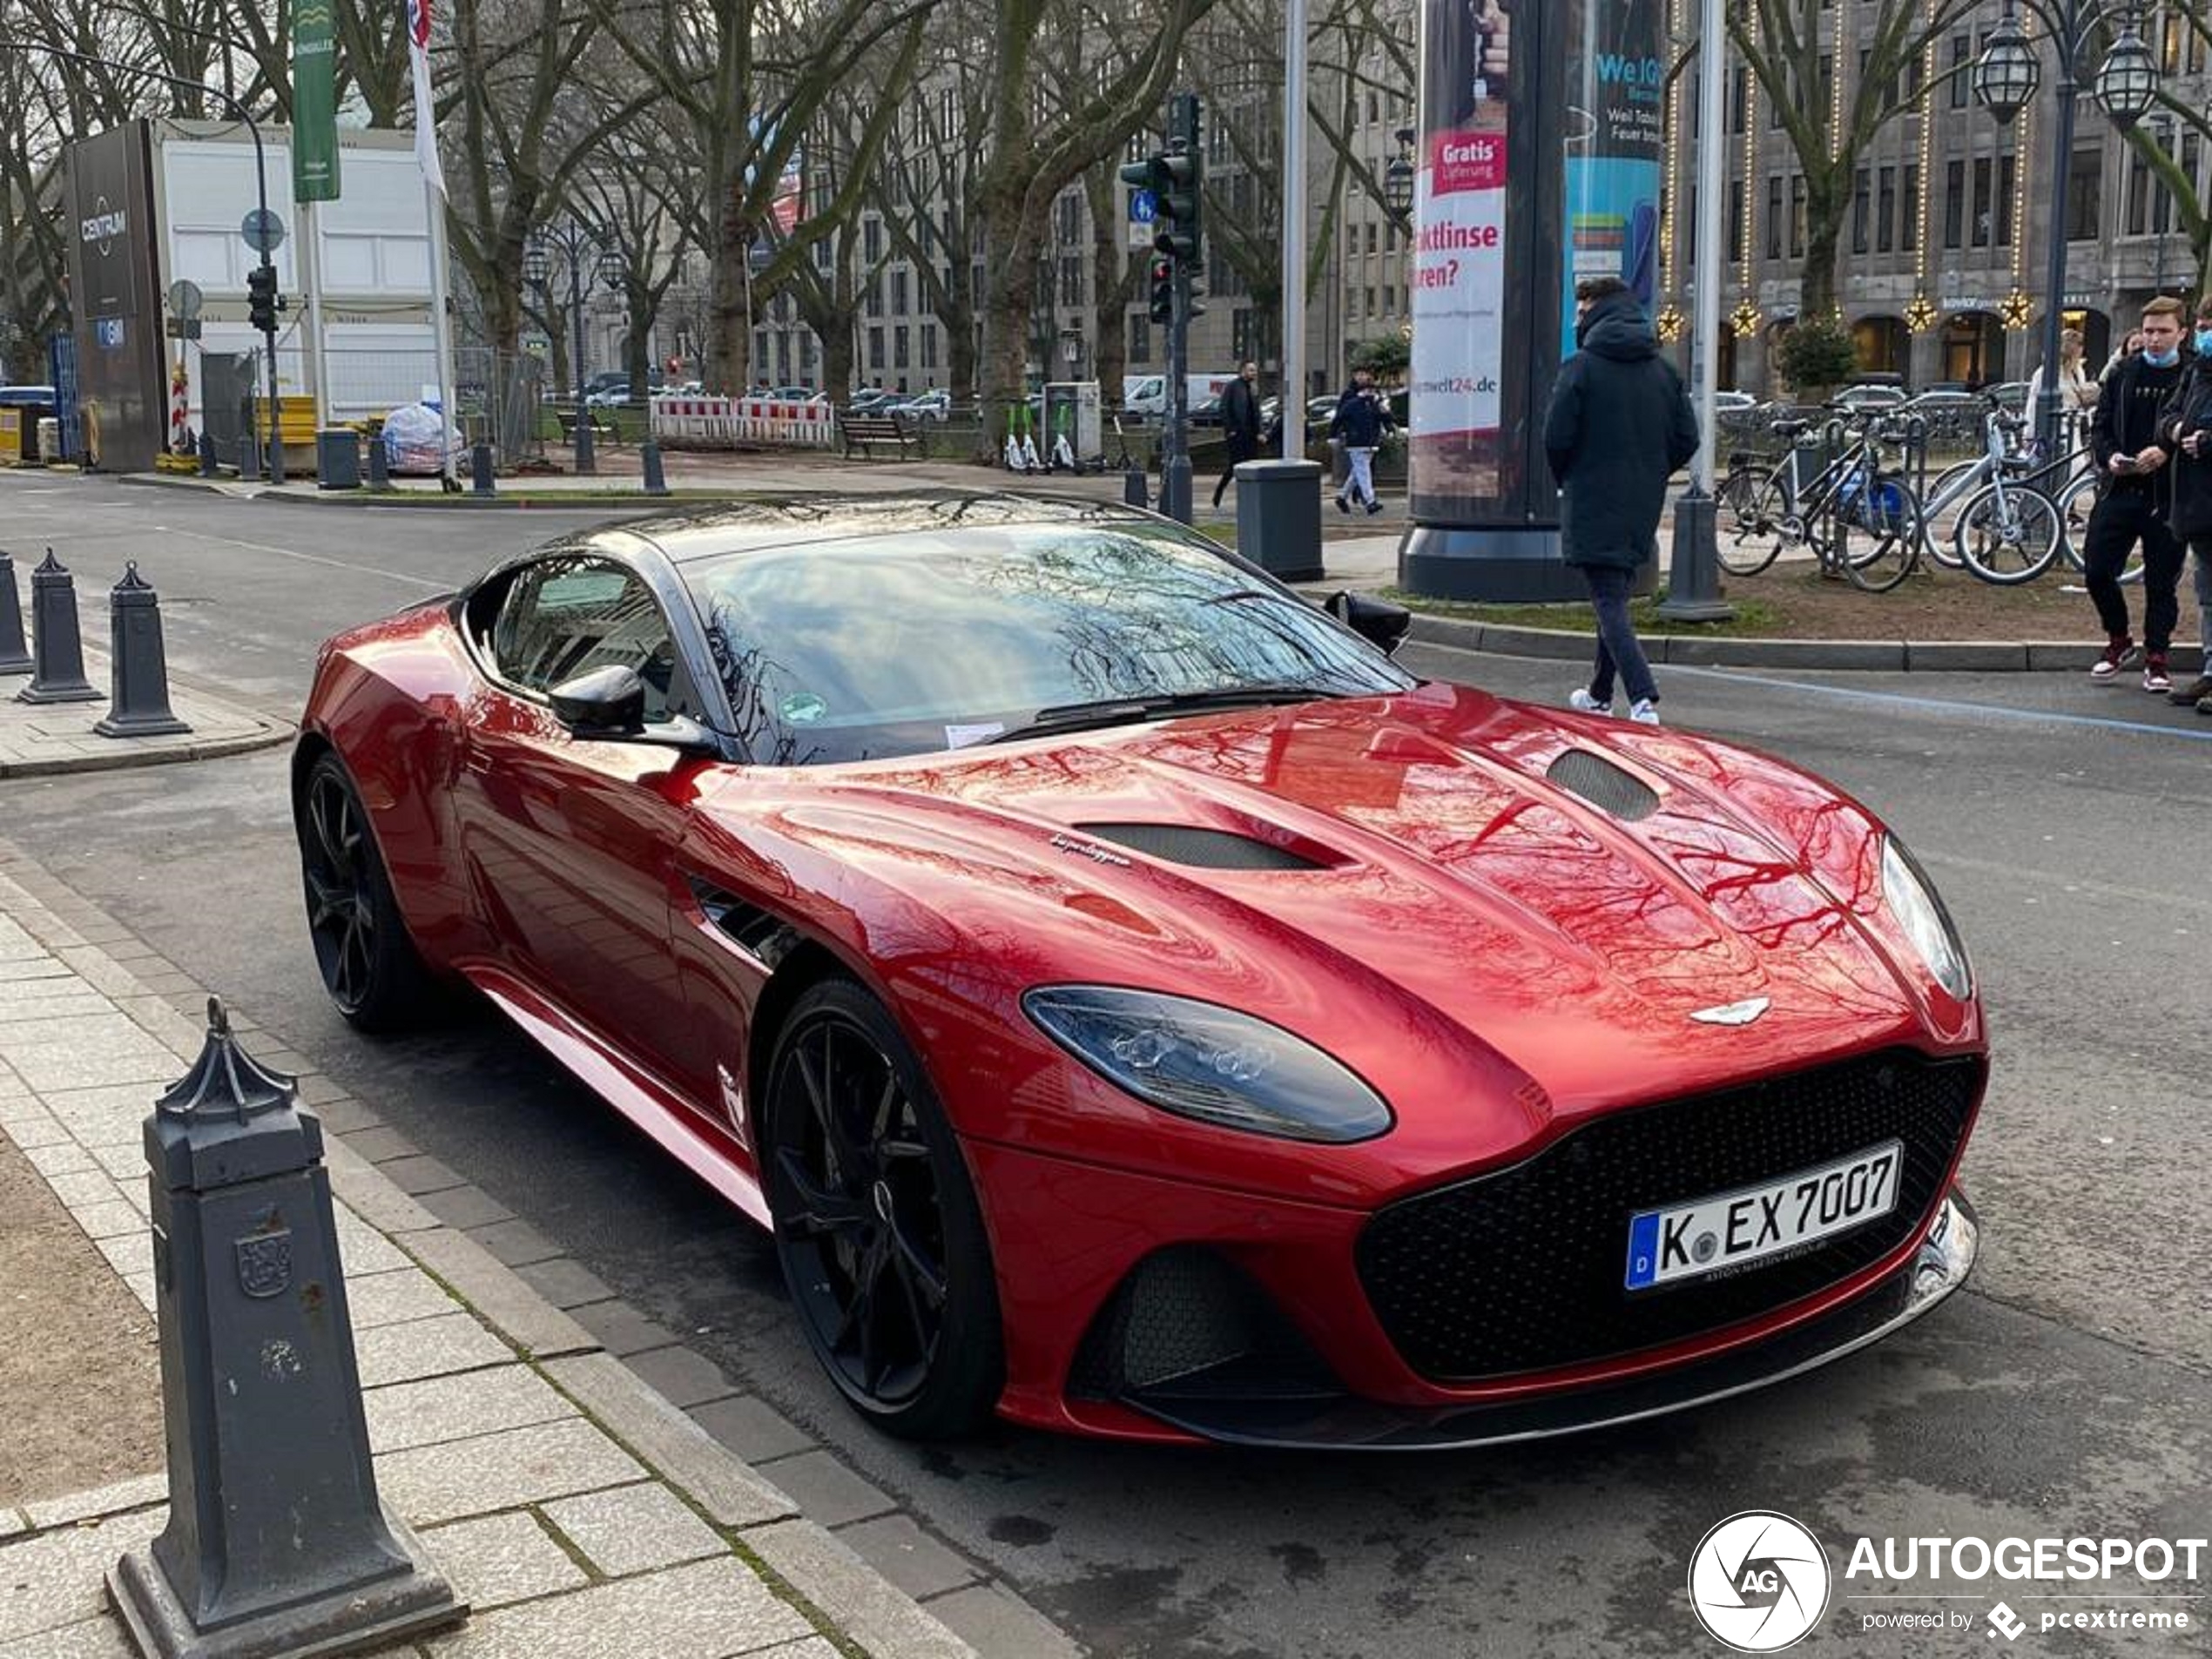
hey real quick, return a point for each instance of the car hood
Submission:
(1571, 892)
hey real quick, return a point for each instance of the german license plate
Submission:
(1734, 1230)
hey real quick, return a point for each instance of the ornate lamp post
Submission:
(575, 245)
(1398, 177)
(2005, 80)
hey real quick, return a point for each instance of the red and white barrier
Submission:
(691, 420)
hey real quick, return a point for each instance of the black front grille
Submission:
(1523, 1270)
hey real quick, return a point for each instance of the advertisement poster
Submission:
(1616, 131)
(1459, 275)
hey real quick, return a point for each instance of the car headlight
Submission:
(1210, 1063)
(1912, 900)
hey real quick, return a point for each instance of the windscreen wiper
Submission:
(1130, 711)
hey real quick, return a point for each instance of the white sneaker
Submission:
(1644, 712)
(1582, 703)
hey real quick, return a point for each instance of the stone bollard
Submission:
(249, 452)
(14, 660)
(380, 467)
(480, 469)
(648, 457)
(1134, 492)
(58, 650)
(138, 667)
(277, 1544)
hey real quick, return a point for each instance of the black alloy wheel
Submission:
(876, 1222)
(369, 963)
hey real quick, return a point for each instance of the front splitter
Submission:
(1944, 1258)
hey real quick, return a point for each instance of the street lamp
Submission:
(1398, 177)
(2005, 78)
(575, 245)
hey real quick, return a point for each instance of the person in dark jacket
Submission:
(1239, 423)
(2185, 432)
(1620, 425)
(2134, 497)
(1361, 420)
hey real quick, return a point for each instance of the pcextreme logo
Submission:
(1759, 1581)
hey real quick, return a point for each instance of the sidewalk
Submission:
(579, 1513)
(39, 739)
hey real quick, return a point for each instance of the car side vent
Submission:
(1598, 781)
(767, 938)
(1204, 848)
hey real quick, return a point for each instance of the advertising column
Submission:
(114, 286)
(1539, 165)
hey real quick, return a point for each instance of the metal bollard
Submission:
(1134, 492)
(649, 456)
(480, 469)
(380, 467)
(138, 667)
(206, 454)
(1694, 573)
(14, 660)
(58, 650)
(277, 1543)
(249, 458)
(276, 452)
(587, 463)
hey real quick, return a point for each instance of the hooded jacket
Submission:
(1620, 425)
(2188, 409)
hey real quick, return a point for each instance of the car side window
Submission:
(569, 616)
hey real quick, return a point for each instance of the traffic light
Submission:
(1162, 289)
(1179, 234)
(262, 297)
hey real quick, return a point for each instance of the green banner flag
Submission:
(314, 103)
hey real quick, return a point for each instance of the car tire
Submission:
(369, 965)
(876, 1222)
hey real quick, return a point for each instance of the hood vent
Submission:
(1598, 781)
(1206, 849)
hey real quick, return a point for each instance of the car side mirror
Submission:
(608, 703)
(1377, 621)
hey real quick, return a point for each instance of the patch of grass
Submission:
(1754, 618)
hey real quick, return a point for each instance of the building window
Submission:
(1885, 211)
(1797, 217)
(1735, 221)
(2007, 179)
(1909, 233)
(1961, 73)
(1071, 279)
(871, 239)
(2082, 215)
(1954, 205)
(1774, 216)
(898, 292)
(900, 356)
(1861, 206)
(1984, 220)
(875, 350)
(929, 345)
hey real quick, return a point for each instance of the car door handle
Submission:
(475, 760)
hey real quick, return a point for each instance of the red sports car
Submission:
(1137, 1005)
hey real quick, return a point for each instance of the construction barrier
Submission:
(681, 421)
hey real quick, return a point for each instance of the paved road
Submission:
(2067, 1391)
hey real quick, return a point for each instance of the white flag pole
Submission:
(433, 201)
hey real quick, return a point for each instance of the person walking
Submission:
(2134, 497)
(1239, 423)
(2185, 432)
(1620, 425)
(1361, 420)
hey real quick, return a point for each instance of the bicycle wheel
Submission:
(1946, 486)
(1752, 536)
(2008, 538)
(1887, 516)
(2077, 500)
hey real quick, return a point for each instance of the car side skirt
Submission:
(637, 1094)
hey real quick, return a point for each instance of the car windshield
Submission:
(905, 644)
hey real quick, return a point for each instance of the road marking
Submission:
(1947, 706)
(426, 585)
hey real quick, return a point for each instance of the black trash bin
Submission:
(338, 459)
(1278, 517)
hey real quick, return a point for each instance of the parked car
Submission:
(1734, 402)
(1135, 1006)
(1868, 400)
(935, 405)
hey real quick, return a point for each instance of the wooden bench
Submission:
(603, 429)
(866, 430)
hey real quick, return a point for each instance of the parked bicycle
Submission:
(1857, 514)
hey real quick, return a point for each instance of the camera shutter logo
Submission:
(1759, 1581)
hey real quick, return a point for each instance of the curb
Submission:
(415, 499)
(871, 1612)
(1879, 655)
(267, 734)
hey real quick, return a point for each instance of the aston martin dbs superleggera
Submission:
(1135, 1003)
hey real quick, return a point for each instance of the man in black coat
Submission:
(1239, 423)
(1620, 426)
(2185, 432)
(2134, 499)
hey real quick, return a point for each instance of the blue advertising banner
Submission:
(61, 363)
(1616, 134)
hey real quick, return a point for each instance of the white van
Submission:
(1147, 394)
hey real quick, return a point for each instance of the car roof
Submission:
(720, 530)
